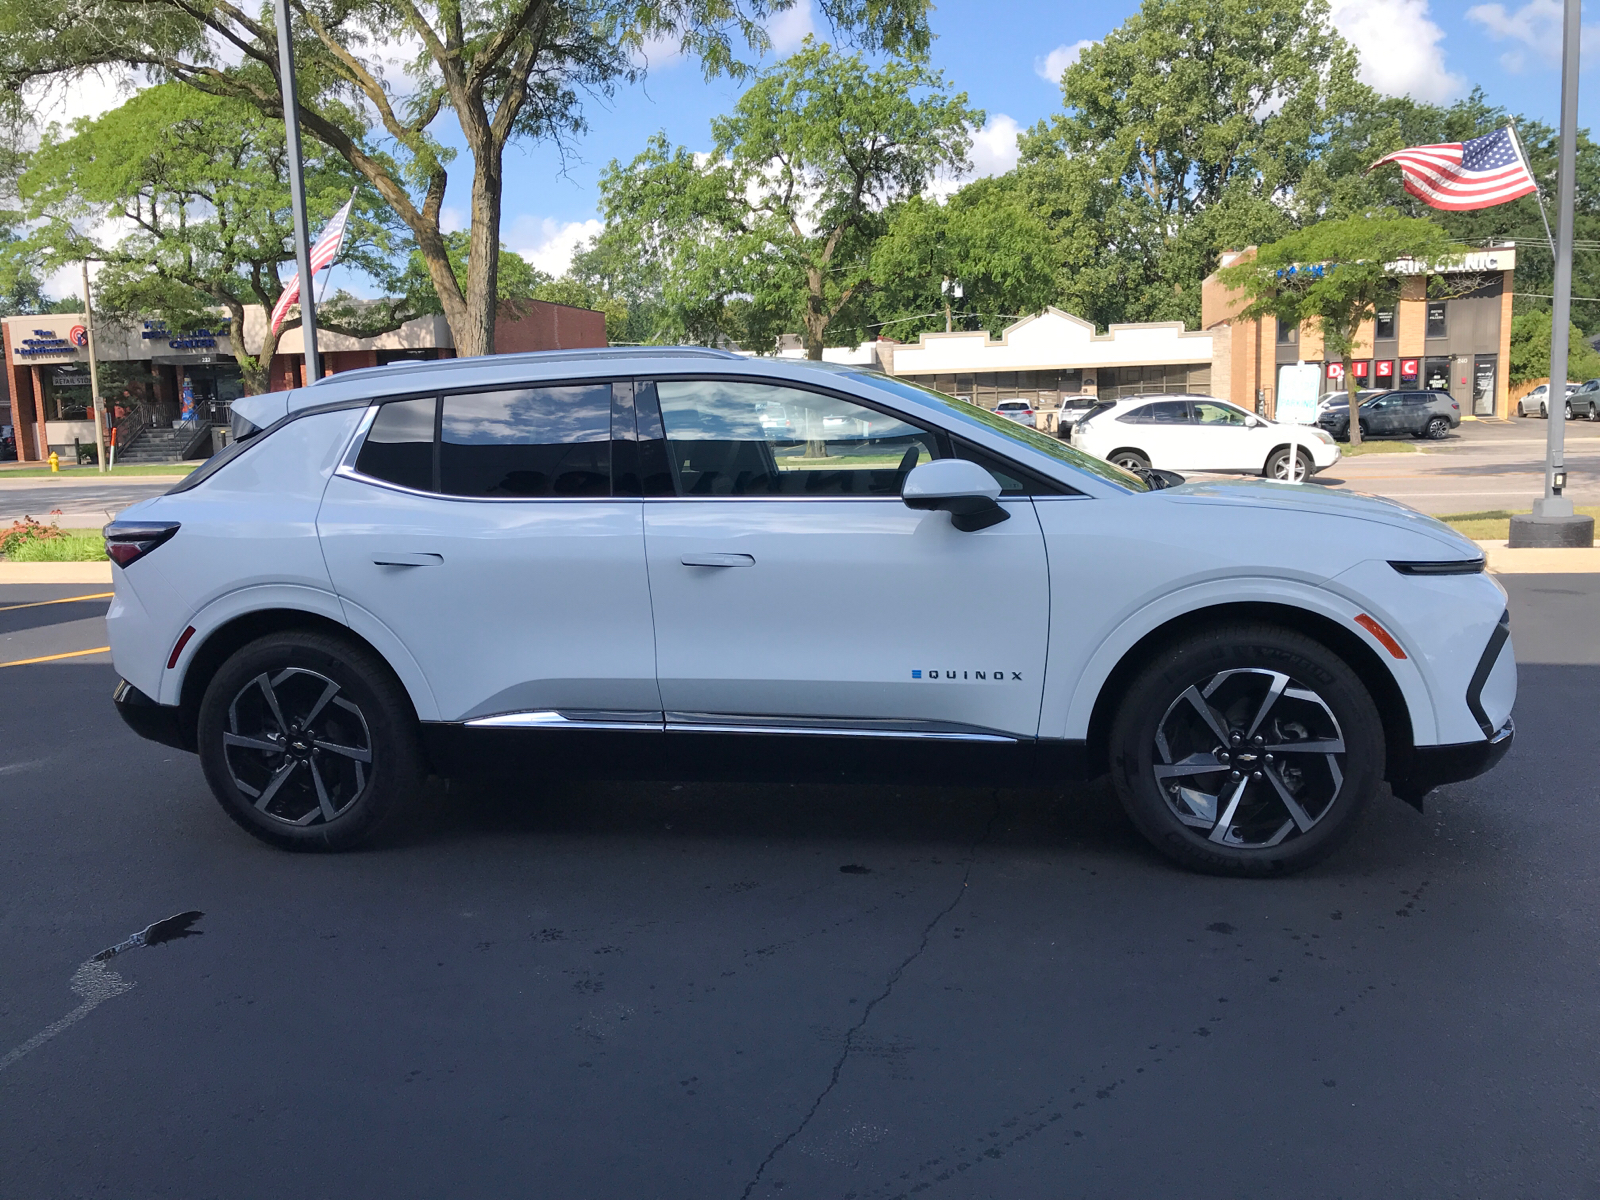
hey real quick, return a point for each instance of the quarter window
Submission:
(754, 439)
(399, 446)
(545, 441)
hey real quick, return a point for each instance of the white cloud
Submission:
(88, 95)
(994, 152)
(1051, 67)
(790, 27)
(451, 219)
(548, 243)
(1399, 46)
(1536, 26)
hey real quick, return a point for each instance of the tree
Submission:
(785, 210)
(1186, 130)
(500, 69)
(1336, 273)
(1530, 350)
(984, 238)
(199, 184)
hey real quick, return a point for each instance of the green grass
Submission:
(176, 469)
(1495, 525)
(1377, 447)
(74, 545)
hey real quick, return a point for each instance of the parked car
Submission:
(1020, 411)
(8, 443)
(1199, 433)
(1583, 402)
(1072, 409)
(1341, 398)
(1538, 400)
(1418, 413)
(575, 561)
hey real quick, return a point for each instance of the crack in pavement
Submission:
(866, 1013)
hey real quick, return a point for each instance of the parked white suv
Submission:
(613, 562)
(1199, 433)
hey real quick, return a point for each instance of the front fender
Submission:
(1069, 703)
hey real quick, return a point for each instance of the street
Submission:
(717, 991)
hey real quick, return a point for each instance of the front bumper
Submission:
(1428, 767)
(157, 722)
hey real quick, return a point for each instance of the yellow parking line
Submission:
(63, 600)
(23, 662)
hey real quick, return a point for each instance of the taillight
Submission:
(129, 541)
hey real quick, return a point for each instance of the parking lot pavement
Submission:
(585, 990)
(84, 503)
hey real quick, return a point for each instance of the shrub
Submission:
(28, 531)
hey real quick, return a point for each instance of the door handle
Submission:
(405, 559)
(719, 560)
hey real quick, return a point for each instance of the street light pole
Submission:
(1553, 522)
(297, 192)
(94, 375)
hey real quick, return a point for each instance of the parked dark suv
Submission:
(1421, 414)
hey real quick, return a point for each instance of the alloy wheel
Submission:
(297, 748)
(1249, 759)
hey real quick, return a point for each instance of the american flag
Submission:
(322, 255)
(1465, 175)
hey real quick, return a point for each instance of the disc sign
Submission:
(1297, 393)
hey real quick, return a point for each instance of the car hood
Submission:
(1314, 498)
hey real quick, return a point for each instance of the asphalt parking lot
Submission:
(714, 991)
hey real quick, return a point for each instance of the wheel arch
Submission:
(1112, 454)
(1377, 678)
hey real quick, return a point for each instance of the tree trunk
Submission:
(476, 336)
(1350, 390)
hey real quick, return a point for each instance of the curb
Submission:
(1533, 561)
(78, 572)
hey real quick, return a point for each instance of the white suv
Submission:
(612, 562)
(1200, 433)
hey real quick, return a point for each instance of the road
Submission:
(721, 992)
(84, 503)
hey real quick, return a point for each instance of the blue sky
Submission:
(1004, 57)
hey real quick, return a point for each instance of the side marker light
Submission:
(183, 641)
(1382, 634)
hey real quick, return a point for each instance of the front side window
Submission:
(728, 438)
(1208, 413)
(525, 442)
(399, 446)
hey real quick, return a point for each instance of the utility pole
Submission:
(1553, 522)
(297, 193)
(94, 375)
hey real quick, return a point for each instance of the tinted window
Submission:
(1437, 313)
(1384, 323)
(399, 446)
(550, 441)
(1013, 480)
(1206, 413)
(754, 439)
(1165, 412)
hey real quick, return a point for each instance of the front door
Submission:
(795, 592)
(1224, 440)
(482, 532)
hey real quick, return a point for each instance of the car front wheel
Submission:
(1130, 460)
(1438, 427)
(1568, 410)
(1278, 466)
(1247, 750)
(309, 741)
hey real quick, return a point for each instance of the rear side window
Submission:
(399, 446)
(546, 441)
(1165, 412)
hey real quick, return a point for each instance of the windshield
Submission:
(974, 415)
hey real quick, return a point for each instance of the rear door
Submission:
(794, 592)
(481, 530)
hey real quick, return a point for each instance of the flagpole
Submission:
(1538, 192)
(1553, 522)
(351, 205)
(297, 192)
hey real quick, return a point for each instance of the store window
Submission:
(1383, 323)
(1436, 374)
(1438, 326)
(1288, 333)
(67, 395)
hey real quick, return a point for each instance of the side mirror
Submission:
(961, 488)
(1251, 422)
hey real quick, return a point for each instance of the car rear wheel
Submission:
(309, 741)
(1568, 410)
(1247, 750)
(1130, 460)
(1278, 465)
(1438, 427)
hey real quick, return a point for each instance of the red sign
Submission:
(78, 335)
(1408, 368)
(1335, 370)
(1386, 370)
(1361, 370)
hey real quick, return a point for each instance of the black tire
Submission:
(1366, 432)
(1544, 411)
(1568, 410)
(1278, 464)
(1438, 428)
(321, 794)
(1130, 460)
(1332, 802)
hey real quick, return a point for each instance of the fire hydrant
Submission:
(55, 462)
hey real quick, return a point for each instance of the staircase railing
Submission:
(201, 433)
(130, 425)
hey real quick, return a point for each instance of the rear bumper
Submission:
(156, 722)
(1428, 767)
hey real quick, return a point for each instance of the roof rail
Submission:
(537, 356)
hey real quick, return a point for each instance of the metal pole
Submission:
(1554, 504)
(297, 193)
(94, 376)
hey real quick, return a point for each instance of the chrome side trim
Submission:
(865, 727)
(636, 722)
